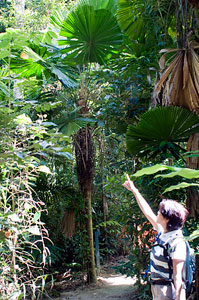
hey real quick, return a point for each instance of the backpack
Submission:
(189, 269)
(189, 265)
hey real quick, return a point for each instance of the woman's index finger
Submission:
(128, 178)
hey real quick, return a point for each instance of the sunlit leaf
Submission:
(150, 170)
(14, 218)
(34, 230)
(194, 235)
(178, 186)
(37, 216)
(183, 172)
(44, 169)
(23, 119)
(27, 206)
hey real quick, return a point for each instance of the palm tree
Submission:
(179, 75)
(178, 83)
(90, 34)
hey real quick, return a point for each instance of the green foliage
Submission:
(25, 246)
(7, 17)
(130, 18)
(194, 235)
(160, 130)
(21, 228)
(37, 61)
(36, 160)
(83, 30)
(146, 23)
(119, 91)
(175, 171)
(70, 122)
(59, 196)
(12, 39)
(35, 17)
(37, 13)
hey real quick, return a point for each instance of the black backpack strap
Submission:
(170, 262)
(148, 269)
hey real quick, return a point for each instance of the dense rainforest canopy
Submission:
(91, 90)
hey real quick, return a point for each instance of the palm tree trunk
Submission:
(91, 274)
(85, 169)
(84, 152)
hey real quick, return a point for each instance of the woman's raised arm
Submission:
(144, 206)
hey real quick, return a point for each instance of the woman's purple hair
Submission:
(175, 212)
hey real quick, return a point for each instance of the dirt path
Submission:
(110, 286)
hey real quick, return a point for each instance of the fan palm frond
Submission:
(130, 18)
(140, 19)
(57, 18)
(39, 62)
(90, 33)
(160, 130)
(70, 122)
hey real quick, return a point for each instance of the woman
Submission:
(166, 272)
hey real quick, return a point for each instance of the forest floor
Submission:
(110, 286)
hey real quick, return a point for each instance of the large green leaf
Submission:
(71, 122)
(151, 170)
(110, 5)
(160, 130)
(39, 62)
(181, 185)
(183, 172)
(57, 18)
(30, 63)
(90, 33)
(175, 171)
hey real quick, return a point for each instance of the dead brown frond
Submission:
(68, 224)
(179, 81)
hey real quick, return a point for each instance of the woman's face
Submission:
(162, 220)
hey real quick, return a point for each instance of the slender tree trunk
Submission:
(91, 264)
(19, 14)
(85, 168)
(84, 152)
(104, 202)
(19, 11)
